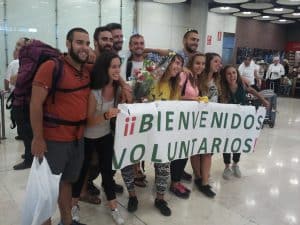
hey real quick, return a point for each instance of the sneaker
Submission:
(186, 176)
(75, 213)
(18, 138)
(118, 188)
(198, 183)
(132, 204)
(184, 187)
(22, 166)
(205, 189)
(236, 171)
(227, 173)
(179, 191)
(162, 205)
(116, 215)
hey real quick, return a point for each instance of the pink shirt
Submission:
(190, 91)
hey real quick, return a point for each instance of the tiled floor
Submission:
(267, 194)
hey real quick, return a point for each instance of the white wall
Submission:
(40, 15)
(163, 25)
(218, 23)
(78, 13)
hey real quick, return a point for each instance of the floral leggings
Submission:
(162, 173)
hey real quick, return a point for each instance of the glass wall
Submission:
(50, 20)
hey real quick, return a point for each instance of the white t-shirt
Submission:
(275, 71)
(248, 72)
(124, 55)
(12, 69)
(136, 66)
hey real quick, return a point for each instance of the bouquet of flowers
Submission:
(143, 80)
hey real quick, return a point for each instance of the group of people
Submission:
(273, 76)
(78, 142)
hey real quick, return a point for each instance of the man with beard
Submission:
(103, 40)
(60, 139)
(117, 34)
(138, 53)
(190, 45)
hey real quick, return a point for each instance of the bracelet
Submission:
(105, 117)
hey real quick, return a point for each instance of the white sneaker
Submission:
(75, 213)
(236, 171)
(116, 215)
(227, 173)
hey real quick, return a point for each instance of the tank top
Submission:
(102, 129)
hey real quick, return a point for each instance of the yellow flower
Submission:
(203, 99)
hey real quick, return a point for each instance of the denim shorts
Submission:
(65, 158)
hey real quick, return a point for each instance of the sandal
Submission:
(140, 174)
(92, 199)
(140, 182)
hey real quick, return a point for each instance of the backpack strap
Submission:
(9, 101)
(73, 89)
(57, 73)
(64, 122)
(128, 69)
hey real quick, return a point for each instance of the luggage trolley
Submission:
(269, 95)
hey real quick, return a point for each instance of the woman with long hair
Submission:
(189, 91)
(209, 85)
(98, 135)
(234, 91)
(167, 88)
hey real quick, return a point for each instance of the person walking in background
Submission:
(274, 74)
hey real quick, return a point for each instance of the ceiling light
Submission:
(265, 17)
(246, 14)
(282, 20)
(278, 9)
(225, 8)
(32, 30)
(288, 2)
(296, 14)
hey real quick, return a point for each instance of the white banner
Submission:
(163, 131)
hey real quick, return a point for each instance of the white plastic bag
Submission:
(41, 194)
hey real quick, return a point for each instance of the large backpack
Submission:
(31, 57)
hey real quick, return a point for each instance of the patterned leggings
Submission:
(162, 173)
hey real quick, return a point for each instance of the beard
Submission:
(190, 49)
(76, 57)
(104, 48)
(118, 46)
